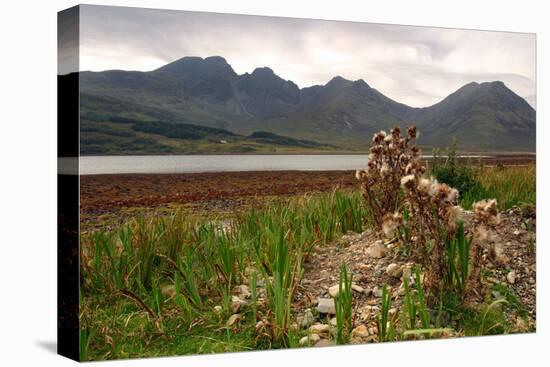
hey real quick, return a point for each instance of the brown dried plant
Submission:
(484, 223)
(394, 181)
(433, 221)
(390, 156)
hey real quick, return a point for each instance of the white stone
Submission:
(319, 328)
(511, 277)
(394, 270)
(308, 319)
(357, 288)
(334, 290)
(377, 250)
(310, 339)
(326, 305)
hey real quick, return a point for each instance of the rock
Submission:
(241, 291)
(511, 277)
(326, 305)
(237, 304)
(333, 322)
(310, 339)
(368, 292)
(394, 270)
(377, 292)
(372, 331)
(357, 288)
(333, 291)
(377, 250)
(232, 319)
(360, 332)
(319, 328)
(323, 343)
(308, 319)
(218, 310)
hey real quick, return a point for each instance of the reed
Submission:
(343, 306)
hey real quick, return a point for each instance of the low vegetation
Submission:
(508, 185)
(179, 284)
(107, 134)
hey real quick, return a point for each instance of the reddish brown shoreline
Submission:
(107, 193)
(217, 191)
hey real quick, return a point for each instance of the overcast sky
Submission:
(414, 65)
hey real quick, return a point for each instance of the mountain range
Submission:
(197, 92)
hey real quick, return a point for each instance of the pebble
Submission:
(310, 339)
(377, 250)
(232, 319)
(237, 304)
(319, 328)
(241, 291)
(218, 310)
(358, 288)
(326, 305)
(394, 270)
(323, 343)
(308, 319)
(334, 290)
(511, 277)
(360, 332)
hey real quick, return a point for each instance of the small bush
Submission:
(449, 170)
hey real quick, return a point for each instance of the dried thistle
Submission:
(390, 155)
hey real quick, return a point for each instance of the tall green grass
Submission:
(204, 259)
(343, 306)
(458, 260)
(509, 185)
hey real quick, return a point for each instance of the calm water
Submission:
(218, 163)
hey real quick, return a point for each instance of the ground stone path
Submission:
(375, 262)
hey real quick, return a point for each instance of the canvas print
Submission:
(232, 183)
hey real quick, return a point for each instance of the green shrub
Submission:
(449, 170)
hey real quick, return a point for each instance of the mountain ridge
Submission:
(208, 92)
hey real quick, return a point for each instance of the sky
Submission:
(418, 66)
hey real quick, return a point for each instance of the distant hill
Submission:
(342, 113)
